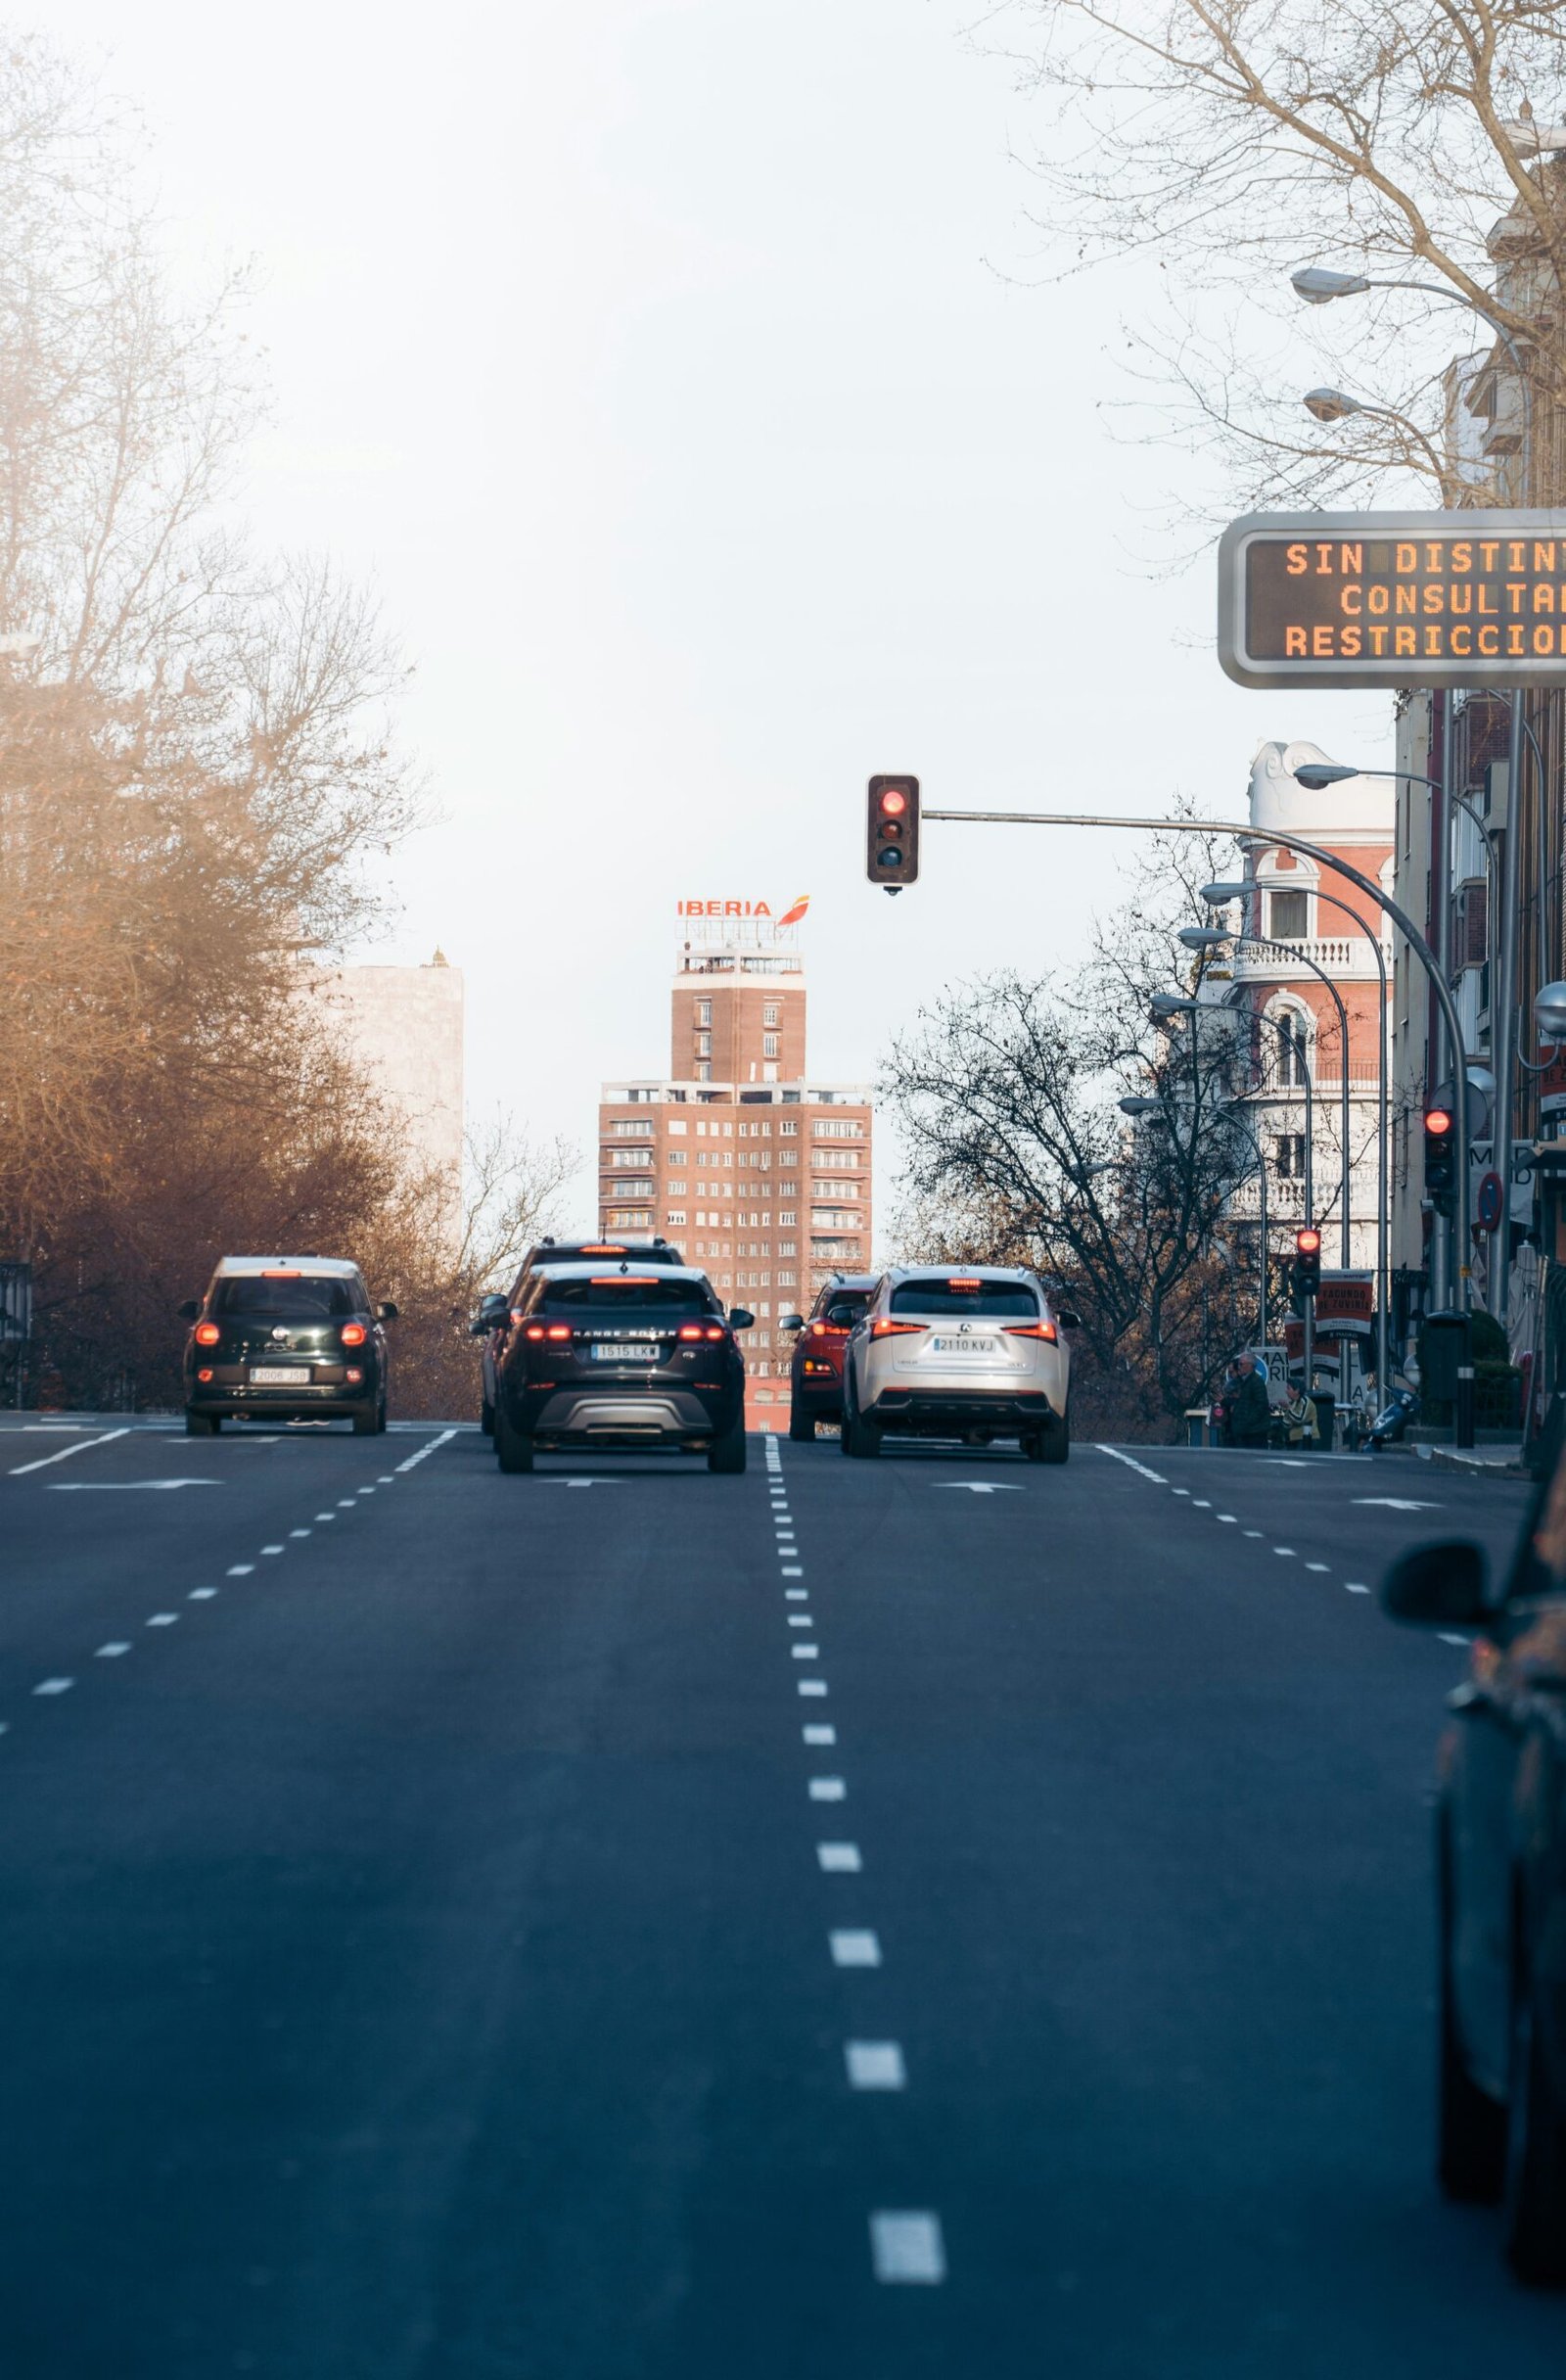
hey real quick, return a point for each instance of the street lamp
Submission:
(1549, 1012)
(1336, 405)
(1220, 896)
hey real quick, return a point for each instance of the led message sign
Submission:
(1394, 599)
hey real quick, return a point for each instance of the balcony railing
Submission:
(1345, 956)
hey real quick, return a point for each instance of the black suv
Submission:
(285, 1339)
(635, 1356)
(493, 1318)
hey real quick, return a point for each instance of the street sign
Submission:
(15, 1303)
(1394, 598)
(1488, 1202)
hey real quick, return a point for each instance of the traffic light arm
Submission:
(1323, 859)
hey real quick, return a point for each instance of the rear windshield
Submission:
(297, 1295)
(851, 1301)
(938, 1298)
(616, 1297)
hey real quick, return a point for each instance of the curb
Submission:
(1472, 1466)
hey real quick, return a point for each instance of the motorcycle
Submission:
(1391, 1423)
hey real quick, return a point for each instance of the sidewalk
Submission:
(1504, 1460)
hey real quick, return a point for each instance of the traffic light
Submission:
(1307, 1263)
(1441, 1160)
(891, 840)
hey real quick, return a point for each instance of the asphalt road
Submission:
(934, 1917)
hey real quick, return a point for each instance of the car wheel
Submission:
(727, 1453)
(380, 1419)
(486, 1419)
(1470, 2125)
(1051, 1444)
(1536, 2155)
(513, 1448)
(202, 1424)
(364, 1424)
(801, 1427)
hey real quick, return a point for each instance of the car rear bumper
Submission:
(939, 1412)
(662, 1416)
(325, 1402)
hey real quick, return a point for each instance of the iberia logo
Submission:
(744, 910)
(792, 917)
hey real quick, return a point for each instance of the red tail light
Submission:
(965, 1285)
(281, 1272)
(352, 1375)
(1030, 1331)
(829, 1329)
(883, 1327)
(204, 1376)
(690, 1331)
(623, 1281)
(354, 1334)
(554, 1331)
(533, 1330)
(208, 1335)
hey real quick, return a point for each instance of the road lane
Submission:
(433, 1968)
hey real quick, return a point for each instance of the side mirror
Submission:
(791, 1321)
(739, 1320)
(1437, 1586)
(1066, 1318)
(843, 1318)
(190, 1311)
(387, 1313)
(481, 1326)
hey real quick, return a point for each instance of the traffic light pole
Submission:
(1464, 1410)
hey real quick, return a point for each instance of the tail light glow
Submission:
(208, 1335)
(204, 1376)
(883, 1327)
(829, 1329)
(623, 1280)
(964, 1284)
(281, 1272)
(354, 1334)
(352, 1375)
(1030, 1331)
(554, 1331)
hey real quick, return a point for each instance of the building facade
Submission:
(404, 1027)
(761, 1175)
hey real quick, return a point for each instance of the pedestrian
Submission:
(1222, 1416)
(1248, 1407)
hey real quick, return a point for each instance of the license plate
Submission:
(965, 1346)
(627, 1351)
(280, 1375)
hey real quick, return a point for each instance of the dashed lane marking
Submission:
(800, 1619)
(326, 1515)
(805, 1653)
(1116, 1456)
(1253, 1532)
(855, 1946)
(796, 1595)
(826, 1789)
(1287, 1550)
(240, 1569)
(1318, 1565)
(816, 1734)
(1354, 1588)
(53, 1685)
(201, 1595)
(1226, 1516)
(160, 1619)
(905, 2245)
(426, 1451)
(838, 1858)
(63, 1454)
(1454, 1640)
(811, 1686)
(298, 1532)
(875, 2066)
(791, 1573)
(272, 1548)
(109, 1652)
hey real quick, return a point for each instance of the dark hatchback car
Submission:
(492, 1320)
(1500, 1868)
(634, 1357)
(285, 1339)
(815, 1375)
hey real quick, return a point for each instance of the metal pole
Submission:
(1383, 1153)
(1504, 1010)
(1384, 901)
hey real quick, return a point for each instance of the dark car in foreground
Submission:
(628, 1355)
(285, 1339)
(815, 1374)
(492, 1318)
(1501, 1873)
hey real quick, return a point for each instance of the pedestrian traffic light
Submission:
(1441, 1160)
(892, 841)
(1307, 1262)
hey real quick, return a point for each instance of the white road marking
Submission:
(795, 1573)
(1398, 1504)
(800, 1619)
(326, 1515)
(272, 1549)
(1454, 1640)
(907, 2246)
(160, 1619)
(1199, 1504)
(366, 1491)
(385, 1478)
(1179, 1491)
(805, 1653)
(809, 1685)
(985, 1487)
(1291, 1462)
(826, 1789)
(875, 2066)
(796, 1595)
(344, 1504)
(838, 1858)
(1116, 1456)
(53, 1685)
(201, 1595)
(63, 1454)
(1354, 1588)
(1287, 1550)
(119, 1487)
(109, 1652)
(240, 1569)
(298, 1532)
(1253, 1532)
(819, 1735)
(856, 1947)
(557, 1482)
(1226, 1516)
(427, 1449)
(1318, 1565)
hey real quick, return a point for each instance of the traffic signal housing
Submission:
(892, 837)
(1307, 1262)
(1441, 1159)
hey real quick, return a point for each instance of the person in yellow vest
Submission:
(1297, 1413)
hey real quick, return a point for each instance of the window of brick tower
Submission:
(1287, 915)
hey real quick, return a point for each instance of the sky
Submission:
(686, 377)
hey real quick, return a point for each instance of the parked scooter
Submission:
(1392, 1422)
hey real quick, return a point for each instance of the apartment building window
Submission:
(704, 1071)
(787, 1247)
(787, 1125)
(676, 1214)
(786, 1281)
(704, 1013)
(675, 1124)
(770, 1045)
(837, 1128)
(1288, 915)
(1288, 1156)
(786, 1222)
(637, 1127)
(704, 1045)
(769, 1012)
(842, 1160)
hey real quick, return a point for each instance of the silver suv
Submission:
(951, 1351)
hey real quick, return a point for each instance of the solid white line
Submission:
(819, 1735)
(240, 1569)
(160, 1619)
(109, 1652)
(53, 1685)
(907, 2246)
(63, 1454)
(811, 1686)
(855, 1946)
(875, 2066)
(838, 1858)
(826, 1789)
(1116, 1456)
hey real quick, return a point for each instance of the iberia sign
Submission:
(1394, 598)
(747, 909)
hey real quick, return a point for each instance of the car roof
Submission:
(855, 1281)
(342, 1266)
(962, 1272)
(567, 1251)
(578, 1269)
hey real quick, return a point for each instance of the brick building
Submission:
(761, 1175)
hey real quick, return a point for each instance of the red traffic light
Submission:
(1437, 1120)
(891, 840)
(894, 803)
(1307, 1243)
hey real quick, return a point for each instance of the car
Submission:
(631, 1355)
(285, 1339)
(1500, 1878)
(815, 1375)
(490, 1319)
(973, 1352)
